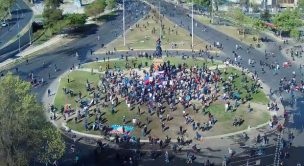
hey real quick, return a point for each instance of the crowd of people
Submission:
(160, 88)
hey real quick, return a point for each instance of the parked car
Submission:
(3, 24)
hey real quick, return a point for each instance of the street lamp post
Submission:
(19, 31)
(160, 26)
(19, 43)
(192, 28)
(212, 12)
(30, 36)
(123, 22)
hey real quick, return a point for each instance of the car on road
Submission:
(3, 24)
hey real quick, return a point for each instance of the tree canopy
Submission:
(53, 4)
(52, 146)
(51, 16)
(111, 4)
(239, 15)
(265, 15)
(259, 25)
(5, 7)
(51, 12)
(295, 33)
(203, 3)
(24, 129)
(95, 8)
(287, 20)
(301, 5)
(74, 20)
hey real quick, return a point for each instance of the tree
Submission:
(101, 3)
(238, 15)
(259, 26)
(240, 19)
(95, 8)
(287, 20)
(206, 4)
(5, 7)
(51, 12)
(265, 15)
(203, 3)
(301, 5)
(74, 20)
(23, 124)
(295, 33)
(51, 16)
(52, 147)
(52, 4)
(111, 4)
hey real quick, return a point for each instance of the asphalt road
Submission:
(21, 16)
(178, 15)
(64, 57)
(93, 156)
(296, 112)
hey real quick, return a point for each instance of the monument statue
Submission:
(158, 51)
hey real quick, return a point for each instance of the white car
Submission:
(3, 24)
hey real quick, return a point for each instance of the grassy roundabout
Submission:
(144, 34)
(78, 79)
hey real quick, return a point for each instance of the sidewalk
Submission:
(55, 41)
(33, 50)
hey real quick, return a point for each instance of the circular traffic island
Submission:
(155, 98)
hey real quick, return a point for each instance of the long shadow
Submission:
(213, 150)
(21, 11)
(12, 21)
(108, 17)
(83, 31)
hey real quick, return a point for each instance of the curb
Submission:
(64, 125)
(190, 50)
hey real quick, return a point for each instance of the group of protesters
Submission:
(161, 87)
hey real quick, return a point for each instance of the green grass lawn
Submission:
(79, 126)
(259, 97)
(117, 63)
(223, 125)
(112, 119)
(122, 63)
(77, 83)
(78, 79)
(225, 119)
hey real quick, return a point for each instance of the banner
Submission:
(117, 129)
